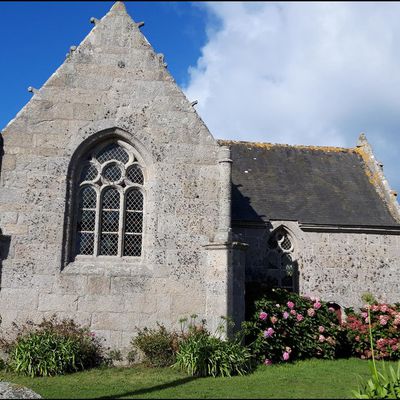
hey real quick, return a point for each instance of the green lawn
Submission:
(304, 379)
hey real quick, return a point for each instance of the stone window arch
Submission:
(281, 262)
(110, 202)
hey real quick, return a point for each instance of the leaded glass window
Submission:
(281, 265)
(110, 204)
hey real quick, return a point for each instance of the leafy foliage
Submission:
(202, 354)
(382, 385)
(54, 347)
(158, 345)
(287, 326)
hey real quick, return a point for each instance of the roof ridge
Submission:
(268, 145)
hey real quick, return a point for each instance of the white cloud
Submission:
(302, 73)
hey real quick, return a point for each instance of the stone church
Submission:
(119, 208)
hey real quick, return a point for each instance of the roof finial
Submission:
(118, 6)
(362, 140)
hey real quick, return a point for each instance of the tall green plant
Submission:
(382, 385)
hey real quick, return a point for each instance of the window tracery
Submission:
(280, 260)
(110, 205)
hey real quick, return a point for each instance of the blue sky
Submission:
(37, 35)
(297, 73)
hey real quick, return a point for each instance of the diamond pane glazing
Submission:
(111, 199)
(112, 173)
(109, 244)
(87, 197)
(89, 172)
(85, 243)
(134, 200)
(133, 222)
(87, 220)
(135, 174)
(132, 245)
(285, 243)
(113, 152)
(110, 221)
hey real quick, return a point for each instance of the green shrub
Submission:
(157, 345)
(201, 354)
(287, 326)
(53, 348)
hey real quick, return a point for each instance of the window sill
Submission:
(106, 265)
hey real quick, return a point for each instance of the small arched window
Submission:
(110, 203)
(280, 262)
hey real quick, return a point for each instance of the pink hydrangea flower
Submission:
(317, 305)
(367, 320)
(299, 317)
(290, 304)
(384, 308)
(286, 356)
(310, 312)
(267, 362)
(293, 312)
(375, 308)
(383, 319)
(395, 347)
(286, 315)
(380, 342)
(321, 338)
(321, 329)
(263, 315)
(274, 320)
(364, 314)
(268, 333)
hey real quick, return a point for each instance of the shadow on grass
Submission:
(137, 392)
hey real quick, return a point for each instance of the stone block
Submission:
(17, 275)
(8, 162)
(98, 285)
(58, 302)
(15, 229)
(103, 303)
(71, 284)
(114, 321)
(12, 299)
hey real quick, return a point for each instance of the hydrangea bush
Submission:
(385, 326)
(287, 326)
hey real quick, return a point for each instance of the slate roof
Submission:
(317, 185)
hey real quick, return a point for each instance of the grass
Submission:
(304, 379)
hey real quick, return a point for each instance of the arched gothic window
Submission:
(282, 267)
(110, 203)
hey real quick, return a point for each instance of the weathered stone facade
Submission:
(114, 88)
(339, 265)
(112, 85)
